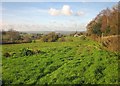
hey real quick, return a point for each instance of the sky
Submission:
(50, 16)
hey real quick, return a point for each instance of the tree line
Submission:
(105, 23)
(12, 36)
(104, 28)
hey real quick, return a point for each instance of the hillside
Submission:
(82, 61)
(105, 28)
(60, 43)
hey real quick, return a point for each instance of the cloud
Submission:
(66, 10)
(54, 12)
(79, 13)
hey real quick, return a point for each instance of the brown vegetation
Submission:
(111, 42)
(104, 28)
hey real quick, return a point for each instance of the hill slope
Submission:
(82, 61)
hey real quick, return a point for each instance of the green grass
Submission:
(77, 62)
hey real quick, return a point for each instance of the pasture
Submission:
(81, 61)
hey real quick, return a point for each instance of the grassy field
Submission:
(82, 61)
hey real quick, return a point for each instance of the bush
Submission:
(23, 52)
(111, 43)
(27, 40)
(99, 72)
(44, 38)
(26, 52)
(13, 54)
(33, 41)
(37, 51)
(83, 37)
(29, 52)
(70, 40)
(51, 37)
(62, 39)
(6, 54)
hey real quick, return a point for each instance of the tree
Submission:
(14, 35)
(105, 22)
(51, 37)
(96, 29)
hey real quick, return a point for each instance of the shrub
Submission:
(29, 52)
(26, 52)
(62, 39)
(70, 40)
(99, 72)
(44, 38)
(13, 54)
(33, 41)
(6, 54)
(83, 37)
(23, 52)
(51, 37)
(27, 39)
(111, 43)
(37, 51)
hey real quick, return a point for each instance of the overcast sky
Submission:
(47, 16)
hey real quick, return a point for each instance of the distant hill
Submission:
(46, 32)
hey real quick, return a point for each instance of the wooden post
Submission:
(102, 38)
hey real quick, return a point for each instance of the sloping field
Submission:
(82, 61)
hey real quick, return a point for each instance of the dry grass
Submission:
(111, 42)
